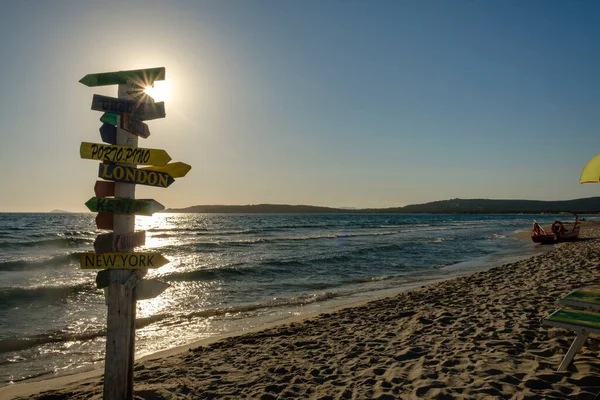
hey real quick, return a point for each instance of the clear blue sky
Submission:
(327, 102)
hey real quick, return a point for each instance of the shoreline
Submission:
(306, 311)
(410, 368)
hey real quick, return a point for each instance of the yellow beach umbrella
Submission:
(591, 171)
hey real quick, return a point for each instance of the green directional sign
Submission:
(109, 118)
(142, 77)
(121, 260)
(124, 206)
(123, 154)
(176, 169)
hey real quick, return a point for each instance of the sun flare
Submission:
(159, 92)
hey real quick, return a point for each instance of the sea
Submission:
(228, 273)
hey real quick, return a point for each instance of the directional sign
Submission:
(149, 288)
(116, 106)
(128, 241)
(103, 278)
(124, 206)
(123, 154)
(104, 189)
(119, 173)
(103, 243)
(134, 125)
(159, 112)
(104, 220)
(121, 260)
(133, 279)
(176, 169)
(108, 133)
(109, 118)
(142, 77)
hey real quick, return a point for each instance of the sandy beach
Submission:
(473, 337)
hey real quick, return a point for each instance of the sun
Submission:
(160, 91)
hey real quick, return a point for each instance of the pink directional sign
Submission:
(104, 220)
(104, 189)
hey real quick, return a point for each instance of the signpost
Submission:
(124, 206)
(121, 269)
(119, 173)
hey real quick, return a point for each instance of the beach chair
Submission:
(583, 322)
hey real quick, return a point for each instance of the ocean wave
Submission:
(39, 263)
(208, 274)
(27, 342)
(301, 300)
(370, 279)
(64, 242)
(280, 267)
(16, 296)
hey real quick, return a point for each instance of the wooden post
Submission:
(120, 325)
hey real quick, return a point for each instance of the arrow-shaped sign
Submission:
(134, 125)
(176, 169)
(104, 189)
(123, 154)
(121, 260)
(103, 278)
(140, 110)
(116, 106)
(142, 77)
(108, 133)
(129, 241)
(149, 288)
(119, 173)
(109, 118)
(104, 221)
(124, 206)
(103, 243)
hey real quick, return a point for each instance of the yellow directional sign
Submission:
(123, 154)
(176, 169)
(121, 260)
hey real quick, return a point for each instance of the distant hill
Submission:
(61, 211)
(588, 205)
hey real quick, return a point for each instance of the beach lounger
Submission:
(582, 322)
(587, 299)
